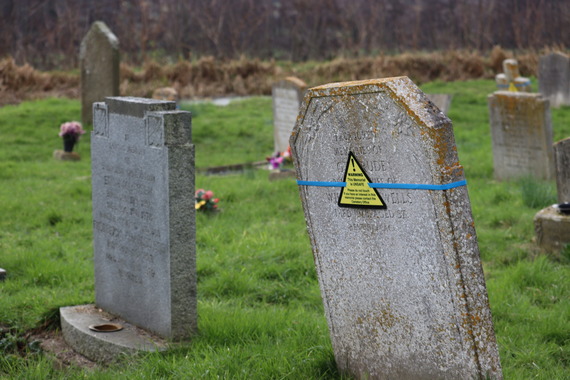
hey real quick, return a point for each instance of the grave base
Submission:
(281, 174)
(104, 347)
(66, 156)
(552, 229)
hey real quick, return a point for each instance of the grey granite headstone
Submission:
(287, 96)
(562, 161)
(554, 78)
(441, 101)
(99, 61)
(521, 133)
(144, 215)
(399, 269)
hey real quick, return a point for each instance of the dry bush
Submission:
(210, 77)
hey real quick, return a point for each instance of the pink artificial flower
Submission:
(199, 192)
(275, 162)
(208, 195)
(71, 128)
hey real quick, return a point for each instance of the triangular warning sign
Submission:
(357, 193)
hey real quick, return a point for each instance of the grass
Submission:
(260, 311)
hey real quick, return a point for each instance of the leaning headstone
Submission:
(552, 224)
(441, 101)
(143, 215)
(554, 78)
(287, 96)
(99, 61)
(393, 238)
(521, 134)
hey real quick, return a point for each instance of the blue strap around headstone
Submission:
(409, 186)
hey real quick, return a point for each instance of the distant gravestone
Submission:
(510, 79)
(99, 61)
(393, 239)
(441, 101)
(562, 161)
(521, 133)
(554, 78)
(287, 95)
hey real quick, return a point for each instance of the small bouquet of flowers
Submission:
(70, 132)
(205, 200)
(279, 159)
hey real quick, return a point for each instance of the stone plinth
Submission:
(552, 229)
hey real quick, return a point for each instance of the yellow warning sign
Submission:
(357, 193)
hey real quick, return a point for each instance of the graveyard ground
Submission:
(260, 312)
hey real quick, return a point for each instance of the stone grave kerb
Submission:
(152, 283)
(99, 64)
(319, 146)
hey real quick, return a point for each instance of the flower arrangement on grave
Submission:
(279, 159)
(70, 132)
(205, 201)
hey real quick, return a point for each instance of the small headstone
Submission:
(552, 224)
(287, 96)
(99, 61)
(2, 274)
(562, 161)
(510, 79)
(521, 133)
(165, 93)
(554, 78)
(441, 101)
(398, 267)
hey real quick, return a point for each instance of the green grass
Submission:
(260, 311)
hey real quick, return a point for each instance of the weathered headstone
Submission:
(510, 79)
(397, 261)
(143, 214)
(562, 161)
(143, 225)
(552, 224)
(554, 78)
(441, 101)
(99, 61)
(2, 274)
(521, 133)
(287, 96)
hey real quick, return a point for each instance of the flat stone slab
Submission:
(552, 229)
(66, 156)
(104, 346)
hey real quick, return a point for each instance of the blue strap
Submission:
(411, 186)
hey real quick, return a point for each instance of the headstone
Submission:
(99, 61)
(562, 161)
(2, 274)
(398, 267)
(510, 79)
(287, 96)
(441, 101)
(143, 214)
(554, 78)
(521, 134)
(552, 224)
